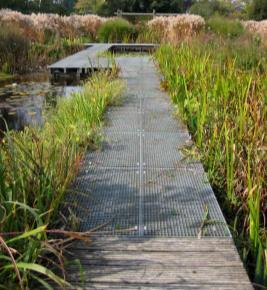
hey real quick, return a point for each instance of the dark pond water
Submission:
(23, 101)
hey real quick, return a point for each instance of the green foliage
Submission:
(258, 10)
(14, 48)
(89, 6)
(225, 27)
(206, 8)
(36, 168)
(43, 6)
(116, 30)
(222, 98)
(174, 6)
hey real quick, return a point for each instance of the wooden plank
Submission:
(154, 275)
(157, 245)
(141, 286)
(179, 259)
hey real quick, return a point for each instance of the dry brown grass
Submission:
(258, 27)
(177, 28)
(35, 26)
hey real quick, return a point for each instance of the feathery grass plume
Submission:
(177, 28)
(37, 26)
(258, 27)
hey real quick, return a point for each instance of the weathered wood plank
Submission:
(157, 245)
(141, 286)
(183, 260)
(153, 275)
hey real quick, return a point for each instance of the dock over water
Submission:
(160, 225)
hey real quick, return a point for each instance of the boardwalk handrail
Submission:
(153, 14)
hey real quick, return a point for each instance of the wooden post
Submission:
(154, 13)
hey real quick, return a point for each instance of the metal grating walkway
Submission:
(140, 183)
(150, 201)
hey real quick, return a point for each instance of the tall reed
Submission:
(36, 167)
(224, 105)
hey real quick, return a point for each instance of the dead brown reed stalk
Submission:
(175, 29)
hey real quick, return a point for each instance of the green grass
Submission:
(37, 166)
(5, 76)
(222, 98)
(225, 27)
(117, 30)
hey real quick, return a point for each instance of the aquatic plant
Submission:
(37, 166)
(224, 105)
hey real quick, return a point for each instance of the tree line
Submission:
(255, 9)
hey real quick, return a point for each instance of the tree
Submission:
(88, 6)
(258, 9)
(167, 6)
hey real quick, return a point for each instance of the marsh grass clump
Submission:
(223, 103)
(117, 30)
(14, 48)
(37, 166)
(225, 27)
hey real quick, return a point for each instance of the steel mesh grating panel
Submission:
(164, 150)
(158, 104)
(175, 202)
(106, 197)
(117, 150)
(122, 121)
(155, 121)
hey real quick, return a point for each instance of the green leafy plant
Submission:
(116, 30)
(225, 27)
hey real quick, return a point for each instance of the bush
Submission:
(117, 30)
(14, 48)
(258, 10)
(225, 27)
(207, 8)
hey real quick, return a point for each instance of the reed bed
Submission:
(224, 105)
(36, 169)
(175, 29)
(37, 26)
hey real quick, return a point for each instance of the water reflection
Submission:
(23, 103)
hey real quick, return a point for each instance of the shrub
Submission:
(207, 8)
(225, 27)
(116, 30)
(258, 9)
(14, 49)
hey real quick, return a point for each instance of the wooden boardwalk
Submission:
(163, 227)
(169, 263)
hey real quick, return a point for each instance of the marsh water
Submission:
(23, 101)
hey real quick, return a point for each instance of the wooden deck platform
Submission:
(169, 263)
(90, 58)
